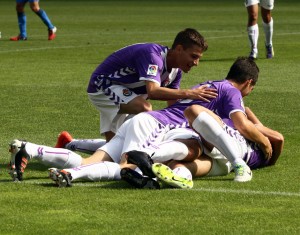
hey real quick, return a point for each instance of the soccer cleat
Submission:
(18, 160)
(242, 173)
(142, 160)
(51, 33)
(63, 139)
(253, 55)
(165, 174)
(269, 52)
(18, 38)
(137, 180)
(61, 178)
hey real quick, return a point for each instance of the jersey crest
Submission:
(127, 92)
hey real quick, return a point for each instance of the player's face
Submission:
(187, 58)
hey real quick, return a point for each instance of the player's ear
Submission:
(179, 48)
(250, 81)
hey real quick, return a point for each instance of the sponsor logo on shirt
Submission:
(127, 92)
(152, 70)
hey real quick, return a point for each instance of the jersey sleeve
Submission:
(233, 102)
(149, 67)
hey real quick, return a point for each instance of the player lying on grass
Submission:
(100, 166)
(148, 129)
(210, 163)
(181, 143)
(213, 163)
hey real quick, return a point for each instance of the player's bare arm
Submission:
(250, 132)
(155, 92)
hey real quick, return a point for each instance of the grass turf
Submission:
(43, 91)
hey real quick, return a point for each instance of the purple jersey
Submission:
(257, 158)
(228, 101)
(132, 66)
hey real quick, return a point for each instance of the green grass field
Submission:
(43, 91)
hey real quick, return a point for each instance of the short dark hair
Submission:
(189, 37)
(243, 69)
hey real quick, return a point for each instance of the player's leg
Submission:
(34, 5)
(89, 146)
(198, 168)
(102, 165)
(20, 4)
(22, 152)
(213, 130)
(178, 144)
(93, 172)
(266, 8)
(144, 133)
(252, 26)
(114, 104)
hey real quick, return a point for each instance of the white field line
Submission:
(211, 190)
(88, 45)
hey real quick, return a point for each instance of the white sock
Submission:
(169, 150)
(85, 145)
(96, 172)
(183, 172)
(54, 157)
(253, 33)
(268, 29)
(212, 132)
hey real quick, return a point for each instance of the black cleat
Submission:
(137, 180)
(142, 160)
(19, 159)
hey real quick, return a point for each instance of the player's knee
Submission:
(20, 8)
(279, 138)
(252, 18)
(35, 9)
(143, 107)
(174, 164)
(192, 112)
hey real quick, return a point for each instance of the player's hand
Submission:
(205, 93)
(267, 149)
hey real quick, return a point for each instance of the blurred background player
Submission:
(253, 30)
(34, 5)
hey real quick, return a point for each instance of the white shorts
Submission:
(144, 133)
(220, 164)
(137, 133)
(267, 4)
(107, 102)
(180, 133)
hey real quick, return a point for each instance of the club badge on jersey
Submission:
(127, 92)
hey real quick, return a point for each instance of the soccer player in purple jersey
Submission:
(34, 5)
(124, 81)
(212, 163)
(145, 131)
